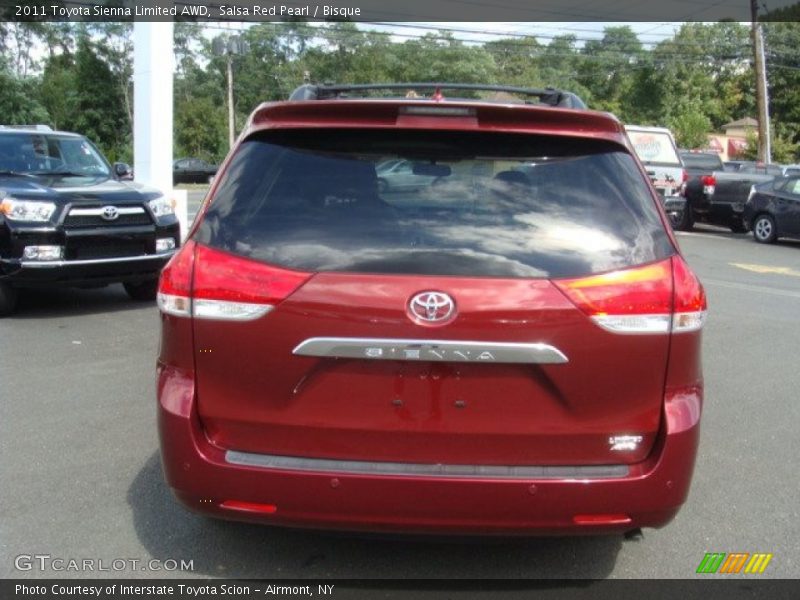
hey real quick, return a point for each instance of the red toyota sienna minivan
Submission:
(423, 313)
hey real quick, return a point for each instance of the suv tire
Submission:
(8, 299)
(144, 291)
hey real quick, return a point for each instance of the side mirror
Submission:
(123, 170)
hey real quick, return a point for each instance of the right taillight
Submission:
(689, 312)
(655, 298)
(212, 284)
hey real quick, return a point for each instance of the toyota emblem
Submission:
(432, 307)
(110, 213)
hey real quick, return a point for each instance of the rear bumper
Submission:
(649, 495)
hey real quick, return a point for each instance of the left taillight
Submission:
(709, 184)
(657, 298)
(212, 284)
(175, 284)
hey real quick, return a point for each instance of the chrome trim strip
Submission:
(98, 212)
(48, 264)
(358, 467)
(430, 350)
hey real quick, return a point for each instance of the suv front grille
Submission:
(115, 249)
(93, 217)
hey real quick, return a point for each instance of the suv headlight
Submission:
(161, 207)
(27, 210)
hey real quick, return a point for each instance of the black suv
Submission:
(66, 218)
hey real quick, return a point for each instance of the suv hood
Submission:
(63, 190)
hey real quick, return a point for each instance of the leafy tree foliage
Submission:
(79, 76)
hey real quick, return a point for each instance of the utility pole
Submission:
(762, 102)
(231, 124)
(230, 47)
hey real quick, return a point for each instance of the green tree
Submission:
(559, 65)
(690, 127)
(607, 67)
(58, 91)
(782, 41)
(784, 150)
(18, 103)
(99, 105)
(516, 61)
(200, 129)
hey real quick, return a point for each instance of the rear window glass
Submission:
(418, 202)
(654, 148)
(709, 162)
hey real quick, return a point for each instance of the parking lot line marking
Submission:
(767, 269)
(751, 288)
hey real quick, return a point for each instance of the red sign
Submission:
(715, 145)
(736, 146)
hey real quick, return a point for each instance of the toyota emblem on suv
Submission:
(432, 307)
(110, 213)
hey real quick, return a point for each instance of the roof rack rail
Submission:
(38, 127)
(549, 96)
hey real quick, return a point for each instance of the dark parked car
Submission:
(66, 219)
(773, 209)
(514, 348)
(193, 170)
(717, 195)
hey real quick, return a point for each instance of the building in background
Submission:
(731, 144)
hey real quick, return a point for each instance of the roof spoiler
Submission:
(548, 96)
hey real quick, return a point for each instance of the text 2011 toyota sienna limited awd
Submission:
(431, 314)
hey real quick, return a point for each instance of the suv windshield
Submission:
(462, 204)
(46, 154)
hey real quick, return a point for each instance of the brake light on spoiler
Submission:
(661, 297)
(205, 283)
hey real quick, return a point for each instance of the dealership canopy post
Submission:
(152, 118)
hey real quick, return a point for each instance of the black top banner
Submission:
(393, 10)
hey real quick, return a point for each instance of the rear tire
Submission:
(685, 222)
(8, 299)
(383, 186)
(764, 230)
(144, 291)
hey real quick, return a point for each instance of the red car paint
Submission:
(230, 386)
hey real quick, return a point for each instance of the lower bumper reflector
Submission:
(601, 519)
(265, 509)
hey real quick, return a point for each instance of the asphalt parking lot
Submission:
(81, 475)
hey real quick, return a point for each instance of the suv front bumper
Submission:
(99, 271)
(205, 480)
(92, 255)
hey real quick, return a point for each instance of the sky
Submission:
(649, 33)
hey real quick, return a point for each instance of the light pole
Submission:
(229, 47)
